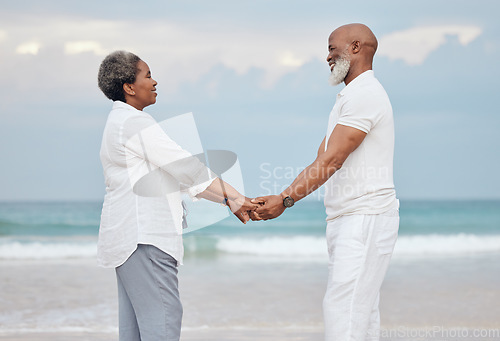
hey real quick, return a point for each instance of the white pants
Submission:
(360, 248)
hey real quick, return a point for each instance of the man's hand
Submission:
(241, 207)
(270, 207)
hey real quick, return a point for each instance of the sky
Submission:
(254, 75)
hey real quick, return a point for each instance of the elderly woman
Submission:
(140, 233)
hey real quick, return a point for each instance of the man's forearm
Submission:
(310, 179)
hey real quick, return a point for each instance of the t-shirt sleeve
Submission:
(362, 113)
(145, 139)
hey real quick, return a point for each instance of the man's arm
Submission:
(342, 142)
(321, 148)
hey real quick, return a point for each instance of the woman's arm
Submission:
(219, 190)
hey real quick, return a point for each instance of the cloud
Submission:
(414, 45)
(289, 59)
(3, 35)
(75, 47)
(177, 49)
(28, 48)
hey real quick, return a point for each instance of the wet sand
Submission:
(242, 298)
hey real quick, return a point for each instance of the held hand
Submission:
(270, 207)
(241, 208)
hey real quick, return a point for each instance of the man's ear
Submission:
(129, 89)
(356, 46)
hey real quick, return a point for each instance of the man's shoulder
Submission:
(366, 93)
(370, 90)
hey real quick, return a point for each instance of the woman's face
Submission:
(143, 90)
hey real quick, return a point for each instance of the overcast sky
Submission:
(255, 77)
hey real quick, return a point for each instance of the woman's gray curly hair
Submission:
(116, 69)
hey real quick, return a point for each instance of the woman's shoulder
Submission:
(122, 112)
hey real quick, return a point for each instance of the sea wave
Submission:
(38, 250)
(284, 247)
(455, 244)
(413, 245)
(296, 246)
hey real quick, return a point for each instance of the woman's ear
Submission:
(129, 89)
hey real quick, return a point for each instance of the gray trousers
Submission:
(148, 297)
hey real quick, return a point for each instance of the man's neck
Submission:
(355, 72)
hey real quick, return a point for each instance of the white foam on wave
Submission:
(315, 247)
(36, 250)
(284, 247)
(456, 244)
(296, 246)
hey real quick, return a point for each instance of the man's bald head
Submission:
(357, 32)
(355, 42)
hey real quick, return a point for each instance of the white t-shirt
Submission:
(145, 172)
(364, 184)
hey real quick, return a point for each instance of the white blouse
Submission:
(145, 172)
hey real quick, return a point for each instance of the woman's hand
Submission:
(238, 203)
(241, 207)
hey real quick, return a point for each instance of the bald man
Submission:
(355, 162)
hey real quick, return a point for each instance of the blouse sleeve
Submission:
(145, 139)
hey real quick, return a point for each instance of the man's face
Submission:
(338, 59)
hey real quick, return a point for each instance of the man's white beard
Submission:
(340, 70)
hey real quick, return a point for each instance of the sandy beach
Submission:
(240, 298)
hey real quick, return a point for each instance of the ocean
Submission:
(60, 230)
(262, 280)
